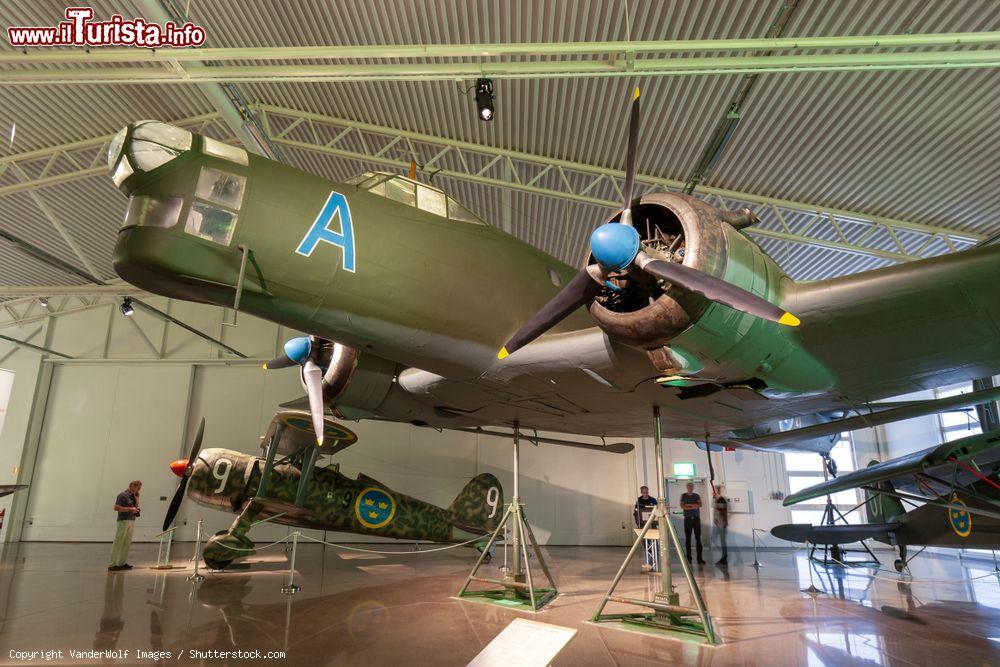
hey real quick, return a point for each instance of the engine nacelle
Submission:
(353, 379)
(680, 228)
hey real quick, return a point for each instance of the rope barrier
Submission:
(396, 553)
(912, 580)
(344, 546)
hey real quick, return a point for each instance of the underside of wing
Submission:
(841, 534)
(923, 461)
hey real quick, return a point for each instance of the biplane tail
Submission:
(479, 506)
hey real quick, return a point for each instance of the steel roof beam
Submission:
(554, 49)
(437, 71)
(828, 231)
(74, 160)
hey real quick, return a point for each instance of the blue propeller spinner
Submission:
(298, 351)
(614, 245)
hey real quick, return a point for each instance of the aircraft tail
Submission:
(479, 506)
(881, 508)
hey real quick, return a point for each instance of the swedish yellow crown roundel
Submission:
(374, 507)
(960, 520)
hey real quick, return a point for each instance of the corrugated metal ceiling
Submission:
(912, 145)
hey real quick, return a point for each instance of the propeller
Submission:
(183, 469)
(301, 351)
(617, 246)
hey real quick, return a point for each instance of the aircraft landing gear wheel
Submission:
(214, 564)
(899, 564)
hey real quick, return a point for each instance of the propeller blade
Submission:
(579, 291)
(280, 361)
(195, 448)
(185, 475)
(175, 503)
(715, 289)
(630, 157)
(312, 377)
(296, 351)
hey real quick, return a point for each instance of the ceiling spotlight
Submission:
(44, 302)
(126, 307)
(484, 99)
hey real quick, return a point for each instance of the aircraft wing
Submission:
(837, 534)
(922, 461)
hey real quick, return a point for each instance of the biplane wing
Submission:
(929, 461)
(835, 534)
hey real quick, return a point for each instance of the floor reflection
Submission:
(389, 610)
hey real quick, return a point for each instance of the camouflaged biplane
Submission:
(285, 486)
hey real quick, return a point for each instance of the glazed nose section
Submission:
(179, 467)
(144, 146)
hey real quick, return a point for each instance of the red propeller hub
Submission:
(179, 467)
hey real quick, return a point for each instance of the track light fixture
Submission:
(126, 307)
(484, 99)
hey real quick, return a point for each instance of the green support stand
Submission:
(517, 588)
(667, 613)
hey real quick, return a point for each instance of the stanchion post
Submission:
(756, 561)
(197, 576)
(291, 588)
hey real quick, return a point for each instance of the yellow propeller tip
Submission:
(635, 94)
(503, 353)
(789, 320)
(264, 365)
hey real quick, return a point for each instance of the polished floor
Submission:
(371, 609)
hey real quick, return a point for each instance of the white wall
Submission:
(763, 473)
(79, 431)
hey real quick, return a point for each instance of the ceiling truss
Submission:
(503, 61)
(793, 222)
(379, 146)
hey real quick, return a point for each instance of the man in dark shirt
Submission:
(127, 506)
(691, 504)
(721, 507)
(642, 502)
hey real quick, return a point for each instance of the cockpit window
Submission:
(401, 190)
(217, 201)
(153, 211)
(409, 192)
(115, 148)
(154, 144)
(221, 188)
(225, 151)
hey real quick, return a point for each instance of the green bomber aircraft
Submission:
(407, 296)
(286, 487)
(953, 490)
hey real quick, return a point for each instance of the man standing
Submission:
(691, 504)
(644, 501)
(721, 507)
(127, 506)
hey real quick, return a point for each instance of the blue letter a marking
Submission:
(335, 207)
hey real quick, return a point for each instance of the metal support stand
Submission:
(812, 590)
(667, 613)
(756, 564)
(291, 588)
(834, 554)
(518, 587)
(196, 576)
(163, 552)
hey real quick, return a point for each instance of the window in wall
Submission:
(6, 383)
(959, 423)
(805, 469)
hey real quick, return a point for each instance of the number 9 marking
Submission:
(221, 473)
(492, 498)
